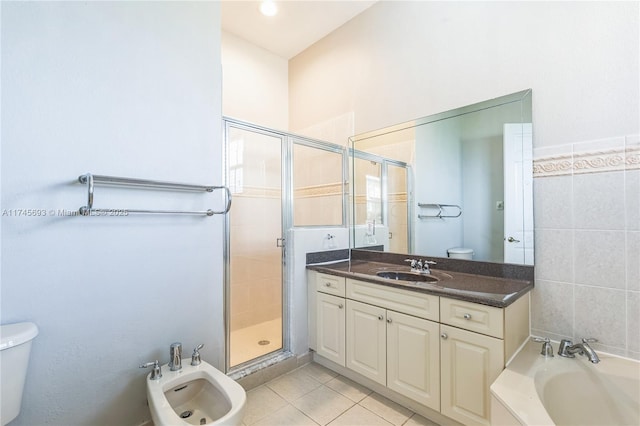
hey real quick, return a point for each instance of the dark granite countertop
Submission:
(492, 291)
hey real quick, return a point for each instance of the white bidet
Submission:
(195, 395)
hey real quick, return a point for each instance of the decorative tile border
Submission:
(553, 166)
(319, 190)
(603, 161)
(257, 192)
(588, 162)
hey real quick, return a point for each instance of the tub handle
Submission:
(547, 349)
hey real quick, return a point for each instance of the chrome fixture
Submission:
(441, 210)
(547, 349)
(568, 349)
(195, 357)
(156, 372)
(92, 180)
(420, 266)
(175, 353)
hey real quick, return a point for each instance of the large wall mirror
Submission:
(454, 184)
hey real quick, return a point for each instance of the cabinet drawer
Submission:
(409, 302)
(331, 284)
(472, 316)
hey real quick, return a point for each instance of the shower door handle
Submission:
(279, 242)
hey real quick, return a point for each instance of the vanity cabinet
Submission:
(367, 341)
(390, 347)
(413, 358)
(442, 353)
(327, 316)
(469, 363)
(330, 327)
(396, 350)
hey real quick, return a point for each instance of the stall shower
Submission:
(262, 177)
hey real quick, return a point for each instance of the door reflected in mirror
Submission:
(455, 184)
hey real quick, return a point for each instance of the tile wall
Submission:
(587, 265)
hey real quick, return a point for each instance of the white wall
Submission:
(438, 154)
(483, 182)
(255, 84)
(302, 241)
(127, 89)
(401, 60)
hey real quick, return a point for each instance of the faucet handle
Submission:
(541, 339)
(156, 373)
(412, 261)
(547, 349)
(563, 349)
(195, 357)
(430, 262)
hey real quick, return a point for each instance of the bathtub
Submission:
(533, 390)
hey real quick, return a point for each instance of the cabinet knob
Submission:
(327, 284)
(444, 336)
(380, 317)
(340, 306)
(389, 320)
(467, 316)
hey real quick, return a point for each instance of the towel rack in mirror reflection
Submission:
(441, 210)
(92, 180)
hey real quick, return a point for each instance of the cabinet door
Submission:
(470, 362)
(413, 358)
(330, 327)
(366, 341)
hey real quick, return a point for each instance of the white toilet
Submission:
(15, 346)
(195, 395)
(460, 253)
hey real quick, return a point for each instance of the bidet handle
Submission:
(156, 373)
(195, 357)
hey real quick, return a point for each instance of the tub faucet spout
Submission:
(568, 349)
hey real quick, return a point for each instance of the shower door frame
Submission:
(286, 223)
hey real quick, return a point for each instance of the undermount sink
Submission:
(406, 276)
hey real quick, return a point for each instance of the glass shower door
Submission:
(255, 253)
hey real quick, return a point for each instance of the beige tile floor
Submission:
(314, 395)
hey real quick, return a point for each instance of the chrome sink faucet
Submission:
(568, 349)
(420, 266)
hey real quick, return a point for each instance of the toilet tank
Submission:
(460, 253)
(15, 346)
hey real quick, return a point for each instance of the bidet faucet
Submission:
(175, 355)
(195, 357)
(568, 349)
(156, 372)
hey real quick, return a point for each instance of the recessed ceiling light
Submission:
(268, 8)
